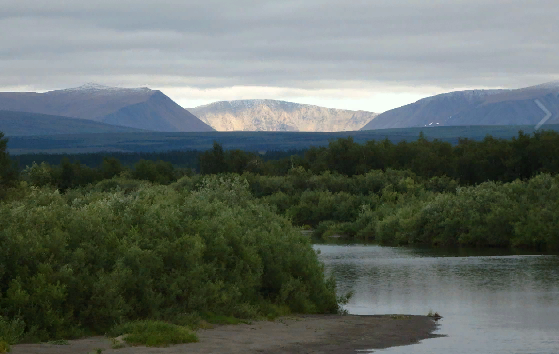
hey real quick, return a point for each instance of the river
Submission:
(492, 301)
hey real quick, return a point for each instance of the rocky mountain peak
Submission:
(276, 115)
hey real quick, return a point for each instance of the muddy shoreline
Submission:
(293, 334)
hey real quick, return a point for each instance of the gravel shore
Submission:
(293, 334)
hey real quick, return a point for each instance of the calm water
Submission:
(491, 303)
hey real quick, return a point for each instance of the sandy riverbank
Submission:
(293, 334)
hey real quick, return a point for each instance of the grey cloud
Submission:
(300, 44)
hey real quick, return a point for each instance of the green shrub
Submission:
(4, 347)
(118, 184)
(112, 257)
(153, 333)
(281, 201)
(11, 331)
(38, 175)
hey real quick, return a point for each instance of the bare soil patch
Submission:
(293, 334)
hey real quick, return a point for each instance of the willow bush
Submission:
(516, 214)
(95, 257)
(399, 208)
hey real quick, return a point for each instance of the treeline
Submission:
(66, 171)
(181, 159)
(469, 162)
(70, 175)
(189, 159)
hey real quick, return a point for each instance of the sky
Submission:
(364, 55)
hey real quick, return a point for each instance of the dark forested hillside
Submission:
(28, 124)
(247, 141)
(469, 161)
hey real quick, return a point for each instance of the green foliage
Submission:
(213, 161)
(170, 246)
(111, 167)
(102, 255)
(11, 331)
(117, 344)
(38, 175)
(155, 171)
(517, 214)
(153, 333)
(468, 162)
(118, 185)
(217, 160)
(399, 208)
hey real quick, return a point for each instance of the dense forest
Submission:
(469, 162)
(175, 236)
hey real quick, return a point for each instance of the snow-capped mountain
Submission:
(476, 107)
(92, 87)
(274, 115)
(140, 108)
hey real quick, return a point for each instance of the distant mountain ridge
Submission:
(275, 115)
(139, 108)
(528, 105)
(28, 124)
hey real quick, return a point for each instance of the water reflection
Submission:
(493, 301)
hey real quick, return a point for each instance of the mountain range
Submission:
(94, 108)
(138, 108)
(533, 105)
(273, 115)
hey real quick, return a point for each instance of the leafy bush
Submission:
(517, 214)
(317, 206)
(111, 257)
(11, 331)
(4, 347)
(38, 175)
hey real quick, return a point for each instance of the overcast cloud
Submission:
(373, 55)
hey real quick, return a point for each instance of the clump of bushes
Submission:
(11, 332)
(399, 208)
(153, 333)
(516, 214)
(113, 255)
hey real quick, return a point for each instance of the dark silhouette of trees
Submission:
(470, 162)
(213, 161)
(8, 172)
